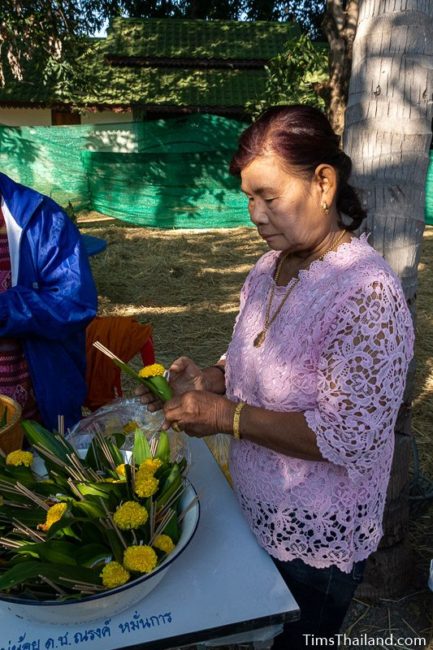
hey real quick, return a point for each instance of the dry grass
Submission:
(186, 283)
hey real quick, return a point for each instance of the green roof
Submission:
(199, 39)
(161, 86)
(123, 86)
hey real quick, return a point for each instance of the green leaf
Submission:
(163, 448)
(171, 485)
(97, 460)
(53, 551)
(172, 529)
(100, 490)
(36, 434)
(91, 555)
(141, 449)
(115, 545)
(91, 508)
(29, 516)
(159, 387)
(25, 571)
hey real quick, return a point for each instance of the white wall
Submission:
(106, 117)
(42, 117)
(25, 116)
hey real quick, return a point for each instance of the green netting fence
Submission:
(429, 193)
(165, 173)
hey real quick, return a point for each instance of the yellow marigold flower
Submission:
(140, 558)
(164, 543)
(54, 514)
(154, 370)
(150, 465)
(130, 427)
(19, 457)
(113, 575)
(120, 469)
(145, 484)
(130, 515)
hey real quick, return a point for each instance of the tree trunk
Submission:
(388, 136)
(339, 26)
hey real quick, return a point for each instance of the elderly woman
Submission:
(314, 374)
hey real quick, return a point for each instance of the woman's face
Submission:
(286, 208)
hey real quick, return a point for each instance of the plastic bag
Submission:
(219, 446)
(124, 416)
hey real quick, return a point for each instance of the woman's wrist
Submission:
(225, 415)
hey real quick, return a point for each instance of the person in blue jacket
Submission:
(47, 298)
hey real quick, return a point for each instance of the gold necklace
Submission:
(260, 338)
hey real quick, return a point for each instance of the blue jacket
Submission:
(52, 299)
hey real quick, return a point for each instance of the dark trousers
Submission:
(323, 596)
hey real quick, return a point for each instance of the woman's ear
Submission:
(326, 180)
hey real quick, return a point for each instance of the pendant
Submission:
(258, 341)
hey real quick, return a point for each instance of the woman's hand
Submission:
(185, 376)
(200, 413)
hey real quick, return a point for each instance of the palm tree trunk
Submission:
(388, 136)
(339, 25)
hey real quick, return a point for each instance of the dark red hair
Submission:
(302, 137)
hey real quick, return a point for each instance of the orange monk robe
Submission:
(123, 336)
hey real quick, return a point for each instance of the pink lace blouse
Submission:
(338, 352)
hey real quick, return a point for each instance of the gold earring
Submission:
(325, 207)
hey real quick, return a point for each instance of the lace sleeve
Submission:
(361, 377)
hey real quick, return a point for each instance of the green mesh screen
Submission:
(429, 193)
(165, 173)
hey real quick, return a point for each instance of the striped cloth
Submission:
(15, 378)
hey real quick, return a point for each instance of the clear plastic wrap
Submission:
(124, 416)
(219, 446)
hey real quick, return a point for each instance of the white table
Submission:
(223, 583)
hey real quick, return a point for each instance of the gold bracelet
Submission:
(236, 419)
